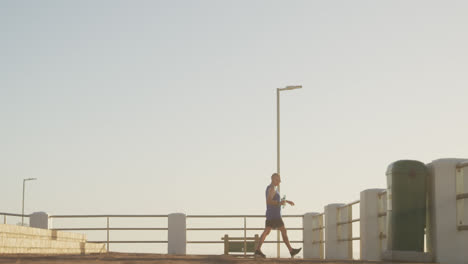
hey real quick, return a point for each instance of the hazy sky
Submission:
(154, 107)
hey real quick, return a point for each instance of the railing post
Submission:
(369, 226)
(245, 236)
(333, 248)
(107, 229)
(4, 219)
(278, 254)
(177, 234)
(226, 244)
(447, 243)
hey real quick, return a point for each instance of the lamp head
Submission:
(30, 179)
(292, 87)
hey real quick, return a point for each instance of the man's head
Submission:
(275, 179)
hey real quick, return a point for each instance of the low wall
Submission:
(29, 240)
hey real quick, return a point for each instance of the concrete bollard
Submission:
(39, 220)
(369, 225)
(334, 249)
(177, 234)
(313, 235)
(446, 241)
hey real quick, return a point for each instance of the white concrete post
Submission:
(333, 248)
(369, 225)
(177, 234)
(449, 245)
(345, 231)
(39, 220)
(313, 235)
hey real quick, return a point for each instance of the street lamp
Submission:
(24, 186)
(278, 90)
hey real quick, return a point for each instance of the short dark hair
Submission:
(274, 174)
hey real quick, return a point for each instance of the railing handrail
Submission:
(350, 204)
(19, 215)
(111, 229)
(104, 216)
(165, 229)
(144, 215)
(222, 242)
(348, 222)
(462, 164)
(9, 214)
(462, 196)
(382, 214)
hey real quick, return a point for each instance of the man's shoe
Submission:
(259, 253)
(294, 252)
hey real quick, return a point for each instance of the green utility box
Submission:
(406, 205)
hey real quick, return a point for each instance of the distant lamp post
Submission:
(278, 90)
(24, 187)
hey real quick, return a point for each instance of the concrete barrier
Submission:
(29, 240)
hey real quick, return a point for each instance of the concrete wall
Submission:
(29, 240)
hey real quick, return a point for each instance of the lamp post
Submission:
(278, 90)
(24, 187)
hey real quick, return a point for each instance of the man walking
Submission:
(273, 216)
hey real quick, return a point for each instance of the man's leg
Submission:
(292, 251)
(284, 234)
(263, 236)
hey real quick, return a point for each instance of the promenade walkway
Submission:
(137, 258)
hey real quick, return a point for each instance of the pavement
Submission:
(139, 258)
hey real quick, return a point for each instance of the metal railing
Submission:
(244, 228)
(8, 214)
(108, 228)
(349, 221)
(320, 228)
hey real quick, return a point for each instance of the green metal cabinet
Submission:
(406, 208)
